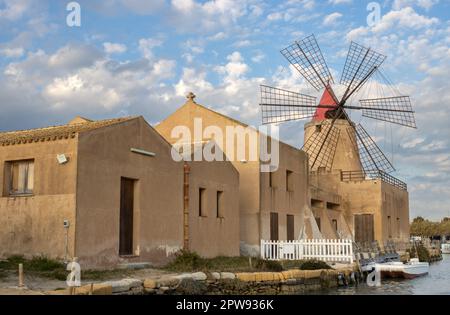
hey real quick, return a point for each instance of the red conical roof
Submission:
(327, 100)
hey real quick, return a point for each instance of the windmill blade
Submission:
(396, 110)
(278, 105)
(361, 63)
(321, 146)
(305, 55)
(372, 158)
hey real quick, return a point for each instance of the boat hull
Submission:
(401, 274)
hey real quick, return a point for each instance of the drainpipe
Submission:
(187, 170)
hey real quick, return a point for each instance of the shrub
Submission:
(268, 265)
(314, 265)
(187, 261)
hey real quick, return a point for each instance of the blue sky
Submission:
(141, 57)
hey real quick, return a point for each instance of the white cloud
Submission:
(114, 48)
(13, 9)
(190, 15)
(426, 4)
(12, 52)
(335, 2)
(413, 143)
(258, 57)
(146, 46)
(332, 19)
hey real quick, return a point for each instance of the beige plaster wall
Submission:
(104, 157)
(209, 235)
(256, 200)
(34, 225)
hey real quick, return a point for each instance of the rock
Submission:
(123, 285)
(191, 287)
(227, 275)
(199, 276)
(163, 290)
(150, 284)
(168, 281)
(184, 276)
(215, 275)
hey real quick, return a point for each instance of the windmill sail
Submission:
(306, 56)
(278, 105)
(321, 147)
(360, 65)
(397, 110)
(372, 158)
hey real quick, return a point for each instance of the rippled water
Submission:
(437, 282)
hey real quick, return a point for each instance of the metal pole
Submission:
(21, 284)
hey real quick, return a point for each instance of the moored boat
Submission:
(445, 248)
(396, 269)
(410, 270)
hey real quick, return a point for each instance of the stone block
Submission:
(227, 276)
(150, 284)
(215, 275)
(199, 276)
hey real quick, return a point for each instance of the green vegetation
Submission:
(419, 251)
(41, 266)
(52, 269)
(314, 265)
(426, 228)
(186, 261)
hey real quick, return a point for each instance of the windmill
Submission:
(332, 123)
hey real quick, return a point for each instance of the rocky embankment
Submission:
(226, 283)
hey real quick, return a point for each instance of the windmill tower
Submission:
(335, 143)
(332, 139)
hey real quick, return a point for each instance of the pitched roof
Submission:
(56, 132)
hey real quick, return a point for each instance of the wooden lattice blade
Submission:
(396, 110)
(321, 146)
(278, 105)
(305, 56)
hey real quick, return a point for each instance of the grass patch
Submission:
(52, 269)
(40, 266)
(186, 261)
(98, 275)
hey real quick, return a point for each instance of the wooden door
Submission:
(364, 228)
(126, 216)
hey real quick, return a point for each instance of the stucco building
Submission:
(273, 205)
(107, 192)
(350, 202)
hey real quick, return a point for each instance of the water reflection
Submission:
(436, 283)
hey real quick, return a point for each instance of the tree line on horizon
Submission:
(426, 228)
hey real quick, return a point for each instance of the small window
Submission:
(318, 224)
(335, 225)
(219, 203)
(289, 181)
(202, 202)
(21, 177)
(389, 226)
(398, 227)
(290, 227)
(270, 179)
(274, 226)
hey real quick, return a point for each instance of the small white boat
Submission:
(396, 269)
(445, 248)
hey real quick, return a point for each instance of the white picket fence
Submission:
(324, 250)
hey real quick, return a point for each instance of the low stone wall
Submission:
(224, 283)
